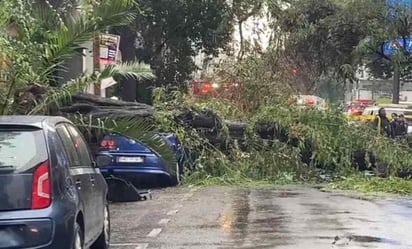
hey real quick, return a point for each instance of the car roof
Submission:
(387, 108)
(34, 120)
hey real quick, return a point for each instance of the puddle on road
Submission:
(285, 194)
(254, 221)
(235, 221)
(323, 218)
(269, 222)
(371, 239)
(361, 239)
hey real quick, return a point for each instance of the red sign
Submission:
(109, 49)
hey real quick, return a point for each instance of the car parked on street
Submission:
(52, 194)
(137, 163)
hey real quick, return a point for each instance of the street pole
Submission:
(396, 83)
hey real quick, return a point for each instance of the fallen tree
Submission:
(305, 133)
(99, 107)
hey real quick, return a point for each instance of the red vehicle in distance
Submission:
(207, 88)
(356, 107)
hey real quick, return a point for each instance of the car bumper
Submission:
(33, 233)
(143, 177)
(26, 233)
(36, 229)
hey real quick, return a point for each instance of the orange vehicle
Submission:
(207, 88)
(310, 101)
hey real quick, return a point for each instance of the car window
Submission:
(124, 143)
(68, 145)
(80, 145)
(14, 142)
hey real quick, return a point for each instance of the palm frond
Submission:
(114, 13)
(59, 96)
(138, 71)
(66, 41)
(47, 14)
(135, 128)
(4, 16)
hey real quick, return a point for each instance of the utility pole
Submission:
(396, 83)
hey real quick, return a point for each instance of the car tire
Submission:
(78, 240)
(103, 241)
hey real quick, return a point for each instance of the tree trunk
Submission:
(128, 87)
(396, 84)
(241, 40)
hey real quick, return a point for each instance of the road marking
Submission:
(164, 221)
(142, 246)
(138, 245)
(172, 212)
(154, 233)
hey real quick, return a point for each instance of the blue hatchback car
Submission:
(139, 164)
(52, 195)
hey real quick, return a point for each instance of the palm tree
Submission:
(36, 38)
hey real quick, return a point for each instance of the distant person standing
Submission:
(382, 124)
(402, 126)
(395, 125)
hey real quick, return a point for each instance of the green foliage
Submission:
(33, 50)
(332, 139)
(366, 184)
(35, 40)
(261, 79)
(324, 139)
(325, 41)
(169, 33)
(60, 96)
(224, 107)
(278, 163)
(69, 40)
(322, 37)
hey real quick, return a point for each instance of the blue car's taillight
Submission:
(108, 144)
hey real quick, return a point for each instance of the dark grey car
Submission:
(51, 195)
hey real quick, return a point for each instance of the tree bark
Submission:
(396, 84)
(241, 49)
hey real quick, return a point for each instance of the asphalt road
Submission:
(294, 217)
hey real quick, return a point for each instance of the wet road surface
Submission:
(260, 218)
